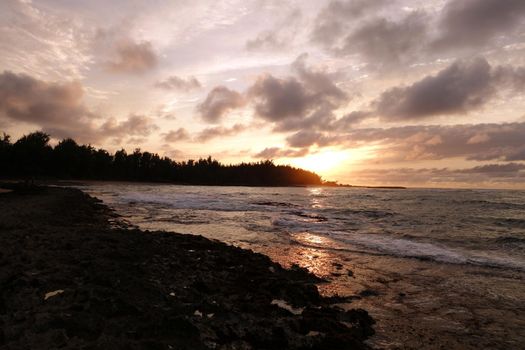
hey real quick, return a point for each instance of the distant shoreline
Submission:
(75, 182)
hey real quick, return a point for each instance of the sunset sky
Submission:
(418, 93)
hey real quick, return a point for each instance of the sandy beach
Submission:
(71, 279)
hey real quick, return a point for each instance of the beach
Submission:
(73, 276)
(435, 268)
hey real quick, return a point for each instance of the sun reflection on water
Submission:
(310, 253)
(316, 197)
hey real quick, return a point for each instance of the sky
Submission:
(424, 93)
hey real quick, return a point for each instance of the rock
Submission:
(53, 293)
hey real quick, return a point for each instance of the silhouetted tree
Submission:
(5, 154)
(32, 156)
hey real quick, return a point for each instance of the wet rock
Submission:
(369, 293)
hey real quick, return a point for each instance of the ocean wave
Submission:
(187, 201)
(511, 240)
(490, 204)
(428, 251)
(276, 204)
(509, 222)
(449, 226)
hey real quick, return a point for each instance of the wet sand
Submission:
(70, 279)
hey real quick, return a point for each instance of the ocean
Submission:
(434, 267)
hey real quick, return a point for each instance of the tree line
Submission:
(32, 157)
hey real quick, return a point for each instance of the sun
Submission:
(321, 162)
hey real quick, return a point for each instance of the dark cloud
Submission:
(308, 102)
(176, 83)
(495, 168)
(332, 20)
(220, 131)
(306, 99)
(386, 42)
(320, 119)
(481, 142)
(295, 102)
(276, 152)
(176, 135)
(24, 98)
(498, 175)
(349, 120)
(219, 101)
(305, 138)
(277, 99)
(473, 23)
(458, 89)
(58, 109)
(347, 28)
(133, 57)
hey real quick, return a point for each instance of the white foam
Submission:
(403, 247)
(423, 250)
(185, 201)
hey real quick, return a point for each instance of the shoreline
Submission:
(70, 279)
(74, 182)
(417, 303)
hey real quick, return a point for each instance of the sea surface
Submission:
(437, 268)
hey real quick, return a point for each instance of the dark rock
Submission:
(369, 293)
(125, 289)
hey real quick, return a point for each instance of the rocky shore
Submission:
(71, 279)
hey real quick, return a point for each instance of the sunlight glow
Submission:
(321, 162)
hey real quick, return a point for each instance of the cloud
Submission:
(481, 142)
(27, 99)
(277, 99)
(306, 99)
(176, 135)
(134, 128)
(294, 102)
(516, 154)
(495, 168)
(280, 36)
(320, 119)
(332, 20)
(365, 28)
(305, 138)
(176, 83)
(458, 89)
(386, 42)
(133, 57)
(219, 101)
(267, 40)
(473, 23)
(349, 120)
(276, 152)
(497, 175)
(220, 131)
(37, 40)
(58, 109)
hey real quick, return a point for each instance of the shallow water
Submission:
(436, 268)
